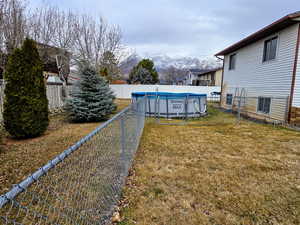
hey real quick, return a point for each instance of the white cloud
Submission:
(185, 28)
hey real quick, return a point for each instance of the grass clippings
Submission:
(214, 171)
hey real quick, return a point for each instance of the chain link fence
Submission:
(83, 184)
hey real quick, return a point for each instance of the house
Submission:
(119, 82)
(192, 76)
(204, 77)
(211, 77)
(49, 56)
(53, 58)
(264, 69)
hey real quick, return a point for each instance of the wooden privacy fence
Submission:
(54, 95)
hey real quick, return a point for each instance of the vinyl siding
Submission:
(269, 79)
(218, 78)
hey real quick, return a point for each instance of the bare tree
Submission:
(85, 37)
(52, 28)
(93, 38)
(12, 26)
(173, 75)
(81, 37)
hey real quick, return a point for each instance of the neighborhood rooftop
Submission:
(288, 20)
(204, 72)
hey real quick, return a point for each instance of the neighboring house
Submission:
(203, 77)
(55, 80)
(119, 82)
(192, 76)
(265, 68)
(210, 78)
(53, 58)
(48, 55)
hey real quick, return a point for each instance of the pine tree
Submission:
(26, 105)
(148, 65)
(142, 76)
(109, 66)
(91, 99)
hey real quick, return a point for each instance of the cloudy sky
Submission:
(197, 28)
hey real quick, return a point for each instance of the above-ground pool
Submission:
(173, 105)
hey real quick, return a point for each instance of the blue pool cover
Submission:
(165, 95)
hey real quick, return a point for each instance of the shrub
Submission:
(91, 98)
(26, 104)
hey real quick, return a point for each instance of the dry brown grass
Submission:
(19, 158)
(214, 171)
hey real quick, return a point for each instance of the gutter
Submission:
(294, 76)
(219, 58)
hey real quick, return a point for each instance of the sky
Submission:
(182, 28)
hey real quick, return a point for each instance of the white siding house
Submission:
(266, 66)
(192, 76)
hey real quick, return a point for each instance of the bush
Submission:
(91, 98)
(26, 104)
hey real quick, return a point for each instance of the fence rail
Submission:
(83, 184)
(125, 90)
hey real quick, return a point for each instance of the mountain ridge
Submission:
(163, 62)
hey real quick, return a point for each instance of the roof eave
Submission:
(264, 32)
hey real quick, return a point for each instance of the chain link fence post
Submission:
(83, 184)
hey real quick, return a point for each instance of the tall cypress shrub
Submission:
(26, 104)
(91, 98)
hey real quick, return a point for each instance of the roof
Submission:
(209, 71)
(196, 70)
(39, 44)
(278, 25)
(118, 82)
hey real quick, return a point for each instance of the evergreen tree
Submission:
(26, 104)
(109, 66)
(142, 76)
(91, 100)
(147, 64)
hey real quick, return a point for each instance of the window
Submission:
(264, 105)
(270, 49)
(229, 99)
(232, 60)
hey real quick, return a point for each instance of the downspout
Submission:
(294, 76)
(222, 78)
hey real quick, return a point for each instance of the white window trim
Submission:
(277, 49)
(263, 113)
(234, 53)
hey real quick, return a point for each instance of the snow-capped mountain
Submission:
(163, 62)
